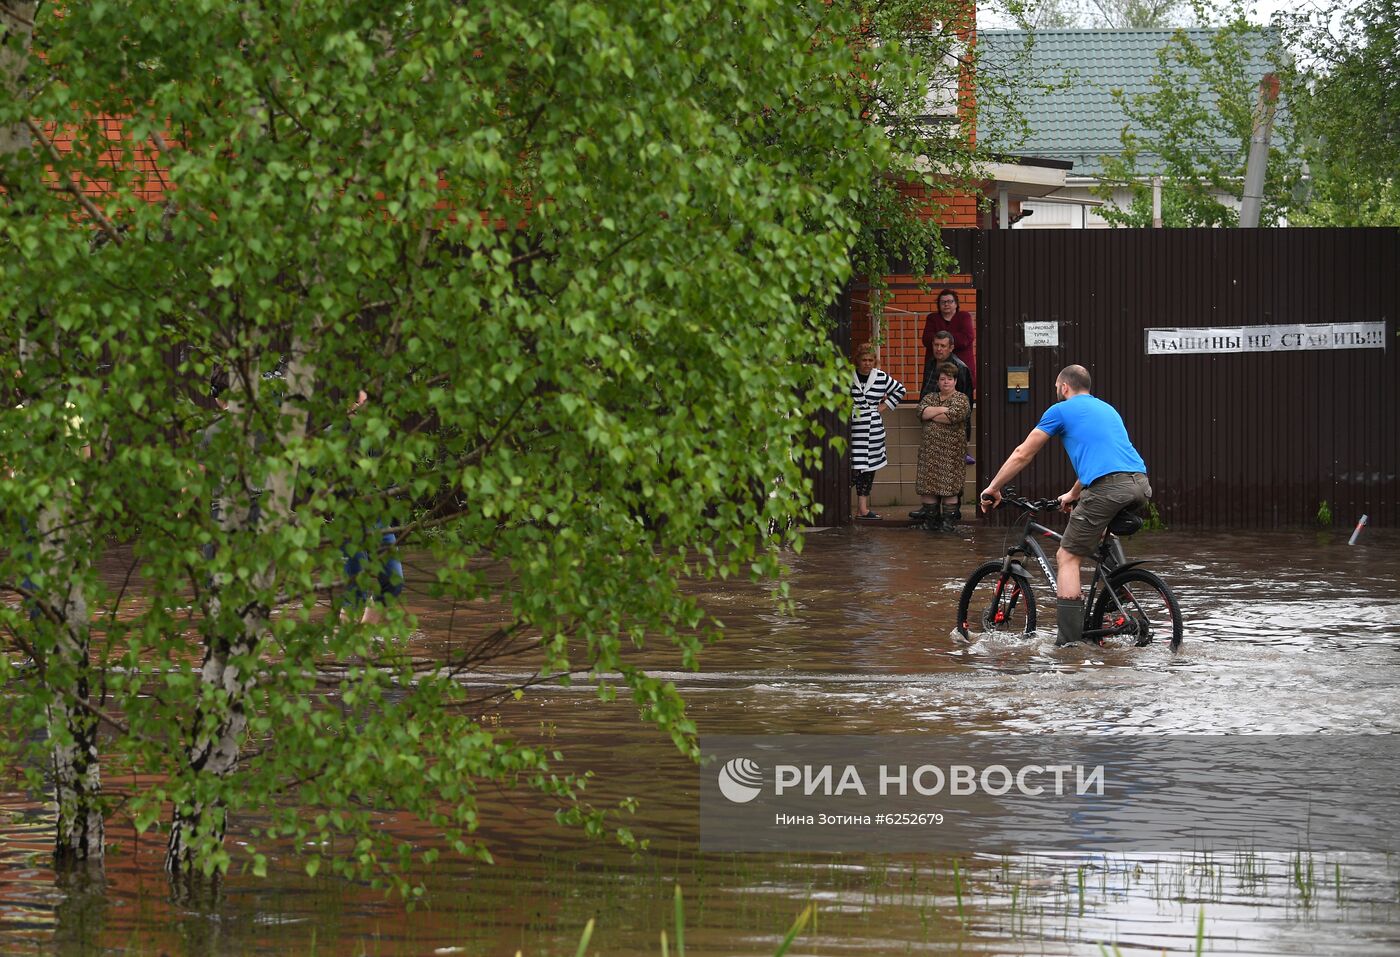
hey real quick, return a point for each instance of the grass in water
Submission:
(797, 926)
(1303, 878)
(807, 916)
(1154, 522)
(957, 889)
(680, 924)
(584, 939)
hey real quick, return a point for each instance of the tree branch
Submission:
(72, 188)
(15, 15)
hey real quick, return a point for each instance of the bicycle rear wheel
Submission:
(1145, 610)
(994, 601)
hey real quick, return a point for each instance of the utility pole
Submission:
(1259, 151)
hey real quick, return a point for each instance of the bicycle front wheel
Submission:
(1137, 608)
(994, 601)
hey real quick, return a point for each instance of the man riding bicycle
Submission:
(1110, 476)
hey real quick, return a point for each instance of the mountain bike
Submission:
(1126, 604)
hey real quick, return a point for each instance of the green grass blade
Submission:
(583, 941)
(680, 924)
(957, 889)
(796, 929)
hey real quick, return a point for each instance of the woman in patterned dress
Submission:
(870, 388)
(941, 469)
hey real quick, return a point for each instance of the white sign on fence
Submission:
(1308, 337)
(1042, 333)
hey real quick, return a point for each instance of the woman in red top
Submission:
(951, 317)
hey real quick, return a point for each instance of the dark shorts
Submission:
(1105, 498)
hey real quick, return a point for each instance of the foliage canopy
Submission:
(578, 257)
(1345, 80)
(1331, 157)
(1096, 14)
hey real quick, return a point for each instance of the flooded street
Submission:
(1286, 633)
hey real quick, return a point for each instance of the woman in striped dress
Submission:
(870, 387)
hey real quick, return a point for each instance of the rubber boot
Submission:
(951, 518)
(922, 514)
(1069, 616)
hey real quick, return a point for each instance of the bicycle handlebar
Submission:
(1009, 495)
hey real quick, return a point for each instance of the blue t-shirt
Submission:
(1095, 439)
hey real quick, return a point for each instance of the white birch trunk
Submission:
(72, 720)
(214, 750)
(72, 723)
(16, 23)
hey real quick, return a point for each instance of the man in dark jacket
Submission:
(940, 352)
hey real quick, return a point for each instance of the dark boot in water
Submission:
(923, 514)
(1069, 616)
(951, 517)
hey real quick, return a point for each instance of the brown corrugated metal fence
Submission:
(1231, 440)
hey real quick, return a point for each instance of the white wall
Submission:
(1079, 209)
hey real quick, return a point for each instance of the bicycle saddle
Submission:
(1125, 522)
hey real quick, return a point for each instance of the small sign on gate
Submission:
(1042, 334)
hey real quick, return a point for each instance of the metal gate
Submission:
(1251, 439)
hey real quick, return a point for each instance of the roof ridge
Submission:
(1008, 30)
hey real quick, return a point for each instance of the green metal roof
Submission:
(1080, 121)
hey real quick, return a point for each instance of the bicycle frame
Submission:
(1122, 600)
(1030, 547)
(1109, 558)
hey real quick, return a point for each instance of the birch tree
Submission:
(44, 532)
(536, 288)
(1344, 79)
(1096, 14)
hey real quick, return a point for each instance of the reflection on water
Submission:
(1285, 633)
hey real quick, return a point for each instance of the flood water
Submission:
(1286, 633)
